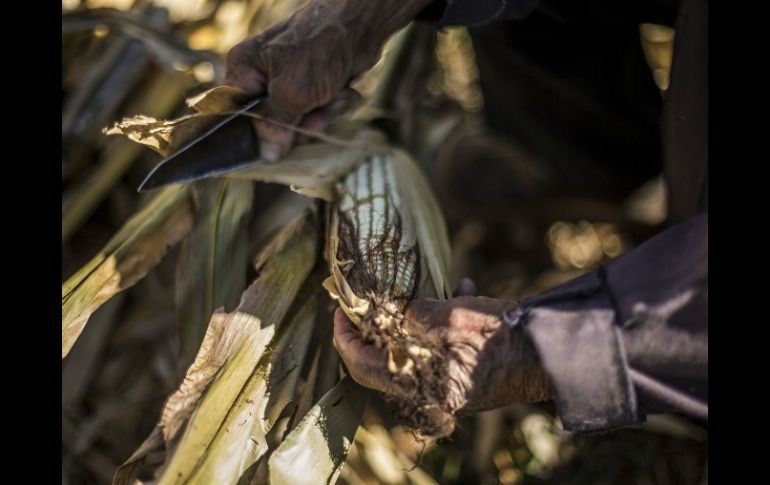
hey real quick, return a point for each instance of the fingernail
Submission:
(271, 152)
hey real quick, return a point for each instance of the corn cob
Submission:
(375, 260)
(384, 262)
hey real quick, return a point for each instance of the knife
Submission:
(229, 145)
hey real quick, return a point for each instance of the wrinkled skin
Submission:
(305, 63)
(489, 364)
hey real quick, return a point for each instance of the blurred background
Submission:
(532, 196)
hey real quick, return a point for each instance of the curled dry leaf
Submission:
(166, 136)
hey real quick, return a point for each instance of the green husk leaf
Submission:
(315, 450)
(211, 271)
(231, 351)
(134, 250)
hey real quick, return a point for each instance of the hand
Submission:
(489, 364)
(305, 63)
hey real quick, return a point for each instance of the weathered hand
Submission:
(305, 63)
(489, 363)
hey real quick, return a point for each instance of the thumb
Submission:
(275, 140)
(320, 118)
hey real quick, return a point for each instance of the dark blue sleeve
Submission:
(629, 339)
(446, 13)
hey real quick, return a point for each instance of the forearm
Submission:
(631, 338)
(477, 12)
(366, 25)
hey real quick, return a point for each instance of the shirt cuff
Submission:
(574, 331)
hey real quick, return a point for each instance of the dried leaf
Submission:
(168, 50)
(167, 136)
(241, 438)
(219, 100)
(136, 248)
(315, 450)
(126, 471)
(427, 220)
(211, 271)
(79, 369)
(231, 351)
(155, 133)
(162, 95)
(314, 169)
(381, 456)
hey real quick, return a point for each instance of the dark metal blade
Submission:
(229, 145)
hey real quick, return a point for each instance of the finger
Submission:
(275, 141)
(242, 72)
(320, 118)
(466, 287)
(366, 364)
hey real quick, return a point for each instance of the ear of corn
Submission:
(386, 237)
(386, 244)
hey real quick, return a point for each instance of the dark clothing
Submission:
(632, 338)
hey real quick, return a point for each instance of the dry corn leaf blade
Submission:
(231, 350)
(315, 449)
(169, 51)
(161, 96)
(219, 99)
(292, 349)
(241, 438)
(103, 87)
(134, 250)
(167, 136)
(305, 396)
(126, 471)
(155, 133)
(211, 271)
(380, 455)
